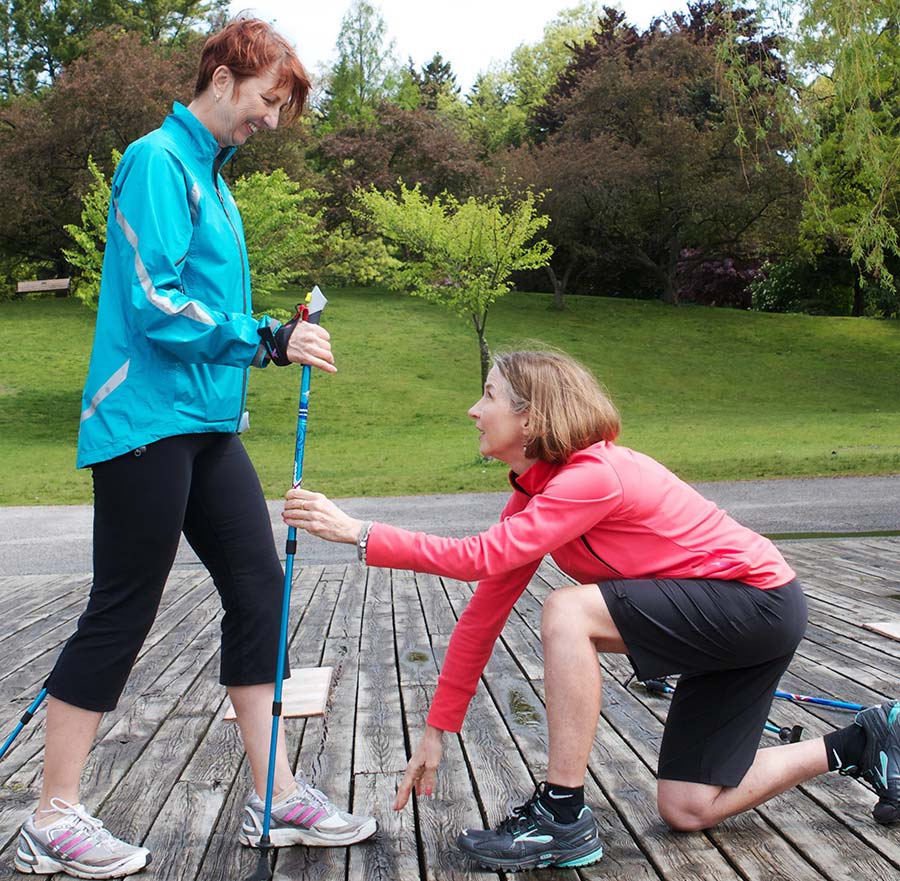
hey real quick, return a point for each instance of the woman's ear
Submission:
(222, 79)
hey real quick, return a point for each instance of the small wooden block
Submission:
(304, 694)
(885, 628)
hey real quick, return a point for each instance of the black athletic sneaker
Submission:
(880, 763)
(531, 839)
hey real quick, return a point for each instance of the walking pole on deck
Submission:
(311, 312)
(26, 718)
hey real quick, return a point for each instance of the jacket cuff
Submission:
(388, 547)
(266, 329)
(449, 707)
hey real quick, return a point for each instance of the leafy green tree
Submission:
(86, 257)
(458, 254)
(366, 72)
(842, 100)
(39, 38)
(435, 82)
(281, 231)
(505, 97)
(347, 257)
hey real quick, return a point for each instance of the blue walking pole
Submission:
(312, 312)
(819, 701)
(26, 718)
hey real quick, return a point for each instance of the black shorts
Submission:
(731, 643)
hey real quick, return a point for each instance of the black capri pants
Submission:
(731, 643)
(205, 486)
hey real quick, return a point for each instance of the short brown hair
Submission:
(249, 47)
(568, 409)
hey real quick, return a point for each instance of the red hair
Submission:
(249, 47)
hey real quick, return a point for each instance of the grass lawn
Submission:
(715, 394)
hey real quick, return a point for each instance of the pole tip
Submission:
(263, 871)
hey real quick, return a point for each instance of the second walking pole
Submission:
(311, 312)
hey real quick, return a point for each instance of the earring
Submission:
(218, 96)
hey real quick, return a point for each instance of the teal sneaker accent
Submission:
(880, 765)
(583, 861)
(530, 838)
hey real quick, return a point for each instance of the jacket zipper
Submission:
(597, 556)
(218, 162)
(592, 552)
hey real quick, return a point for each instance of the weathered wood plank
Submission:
(392, 854)
(167, 769)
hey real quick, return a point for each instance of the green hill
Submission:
(715, 394)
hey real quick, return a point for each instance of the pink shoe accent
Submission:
(80, 851)
(311, 821)
(71, 844)
(294, 812)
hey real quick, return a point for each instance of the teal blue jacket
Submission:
(175, 334)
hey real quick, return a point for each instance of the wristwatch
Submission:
(362, 540)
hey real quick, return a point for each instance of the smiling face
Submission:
(246, 106)
(501, 429)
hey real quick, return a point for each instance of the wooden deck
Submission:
(167, 771)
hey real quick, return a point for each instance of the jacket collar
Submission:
(198, 135)
(533, 480)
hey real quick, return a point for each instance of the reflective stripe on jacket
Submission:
(175, 334)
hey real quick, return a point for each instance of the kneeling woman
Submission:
(666, 578)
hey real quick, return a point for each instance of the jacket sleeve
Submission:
(504, 558)
(151, 208)
(472, 642)
(576, 499)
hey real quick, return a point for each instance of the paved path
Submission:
(57, 540)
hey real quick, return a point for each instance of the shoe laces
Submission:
(520, 815)
(94, 828)
(304, 790)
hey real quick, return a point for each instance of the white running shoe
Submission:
(78, 845)
(306, 817)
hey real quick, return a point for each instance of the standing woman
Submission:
(162, 408)
(665, 577)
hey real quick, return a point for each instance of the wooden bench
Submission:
(60, 285)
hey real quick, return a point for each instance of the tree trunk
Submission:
(859, 299)
(482, 346)
(559, 285)
(667, 274)
(669, 294)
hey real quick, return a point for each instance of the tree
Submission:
(40, 38)
(504, 98)
(840, 97)
(418, 146)
(458, 254)
(282, 233)
(86, 257)
(642, 150)
(366, 72)
(118, 90)
(435, 82)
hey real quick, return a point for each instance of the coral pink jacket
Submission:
(607, 513)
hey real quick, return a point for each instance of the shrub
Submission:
(713, 281)
(793, 285)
